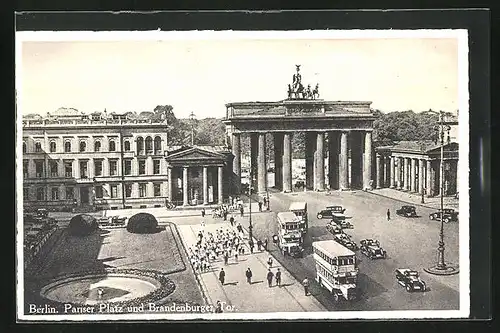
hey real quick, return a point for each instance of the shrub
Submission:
(142, 223)
(82, 225)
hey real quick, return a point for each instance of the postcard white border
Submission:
(463, 165)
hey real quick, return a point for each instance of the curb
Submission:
(400, 200)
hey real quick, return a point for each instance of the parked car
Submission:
(371, 248)
(407, 211)
(342, 222)
(334, 228)
(410, 279)
(346, 241)
(448, 215)
(331, 212)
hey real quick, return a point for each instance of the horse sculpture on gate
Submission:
(296, 90)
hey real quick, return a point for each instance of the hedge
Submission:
(142, 223)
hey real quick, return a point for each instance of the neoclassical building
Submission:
(76, 161)
(414, 166)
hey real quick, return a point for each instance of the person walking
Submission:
(231, 220)
(226, 258)
(222, 276)
(388, 215)
(270, 262)
(305, 284)
(259, 245)
(250, 243)
(278, 278)
(270, 276)
(203, 212)
(260, 206)
(248, 274)
(241, 210)
(265, 244)
(265, 202)
(236, 255)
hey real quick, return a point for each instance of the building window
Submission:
(39, 169)
(25, 147)
(128, 167)
(98, 167)
(83, 146)
(53, 168)
(83, 169)
(97, 146)
(53, 146)
(149, 145)
(126, 145)
(40, 193)
(157, 144)
(38, 147)
(70, 193)
(157, 190)
(55, 193)
(156, 167)
(142, 167)
(98, 191)
(112, 145)
(26, 194)
(142, 190)
(128, 190)
(114, 191)
(67, 147)
(25, 168)
(140, 145)
(113, 167)
(68, 169)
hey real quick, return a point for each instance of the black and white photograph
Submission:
(212, 175)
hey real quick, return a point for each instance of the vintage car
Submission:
(371, 248)
(346, 241)
(331, 212)
(407, 211)
(410, 280)
(342, 222)
(112, 221)
(448, 215)
(334, 228)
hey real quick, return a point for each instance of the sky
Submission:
(201, 76)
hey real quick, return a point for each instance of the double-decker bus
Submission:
(289, 238)
(336, 269)
(299, 208)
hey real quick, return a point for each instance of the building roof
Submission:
(66, 112)
(413, 146)
(333, 248)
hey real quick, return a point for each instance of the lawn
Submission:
(117, 248)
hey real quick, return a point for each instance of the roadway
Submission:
(409, 242)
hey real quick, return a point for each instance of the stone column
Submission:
(170, 185)
(344, 163)
(319, 163)
(205, 185)
(428, 179)
(219, 185)
(413, 181)
(309, 157)
(90, 168)
(261, 164)
(236, 150)
(406, 185)
(367, 165)
(185, 189)
(379, 171)
(392, 172)
(254, 143)
(333, 160)
(76, 168)
(387, 171)
(287, 162)
(278, 160)
(421, 176)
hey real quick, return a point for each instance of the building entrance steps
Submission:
(416, 199)
(238, 295)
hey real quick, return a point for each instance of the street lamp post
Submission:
(441, 267)
(192, 118)
(250, 226)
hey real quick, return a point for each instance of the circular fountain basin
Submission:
(93, 289)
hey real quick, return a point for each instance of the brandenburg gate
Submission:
(341, 130)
